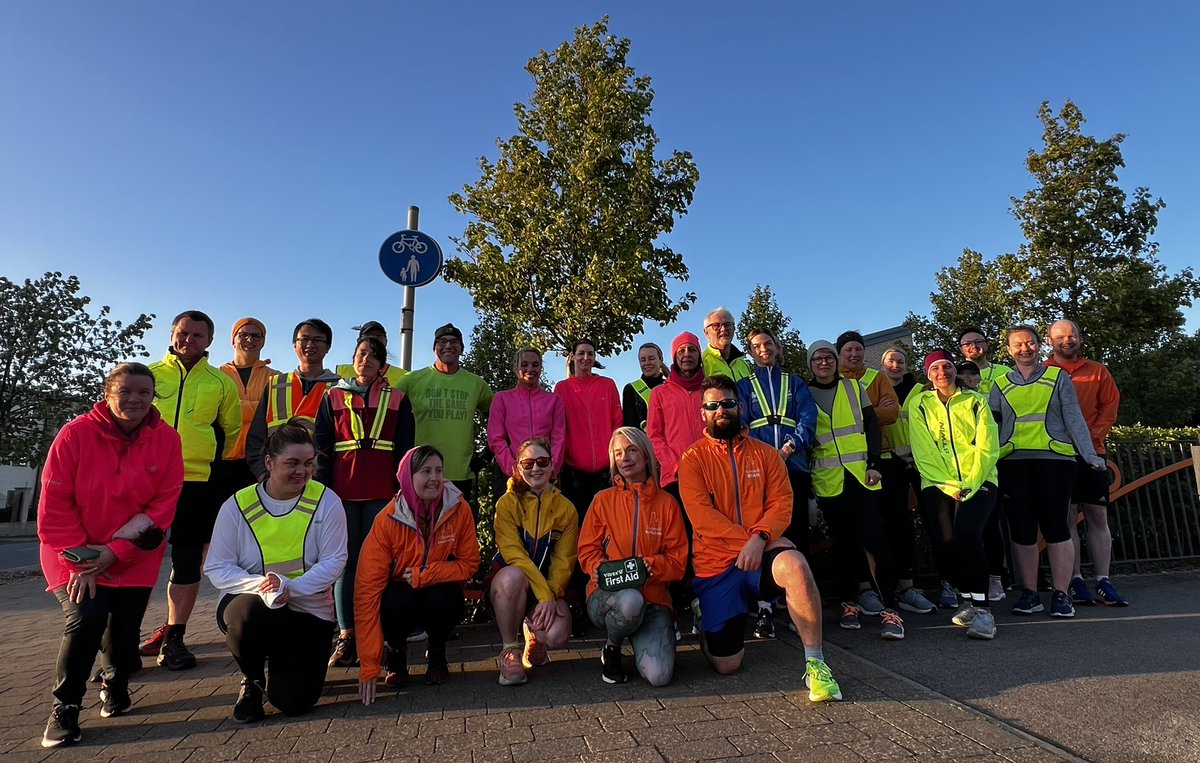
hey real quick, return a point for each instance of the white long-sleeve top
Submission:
(234, 562)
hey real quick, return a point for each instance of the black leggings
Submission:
(897, 516)
(798, 531)
(435, 609)
(1039, 496)
(294, 644)
(853, 519)
(109, 622)
(964, 549)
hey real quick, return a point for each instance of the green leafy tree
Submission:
(54, 356)
(762, 311)
(562, 239)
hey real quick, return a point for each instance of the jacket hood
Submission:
(102, 418)
(647, 488)
(403, 513)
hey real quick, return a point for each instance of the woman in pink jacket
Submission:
(522, 413)
(593, 409)
(109, 488)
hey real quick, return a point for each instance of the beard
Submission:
(724, 429)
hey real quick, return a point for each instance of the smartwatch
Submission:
(764, 535)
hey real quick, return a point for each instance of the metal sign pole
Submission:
(410, 295)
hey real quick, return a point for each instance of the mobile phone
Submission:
(80, 554)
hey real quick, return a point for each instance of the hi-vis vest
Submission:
(841, 442)
(643, 389)
(287, 400)
(281, 539)
(772, 416)
(897, 434)
(393, 374)
(346, 406)
(1029, 403)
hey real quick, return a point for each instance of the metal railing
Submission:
(1154, 510)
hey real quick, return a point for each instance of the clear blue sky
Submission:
(250, 157)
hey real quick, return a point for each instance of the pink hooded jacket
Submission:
(593, 408)
(95, 480)
(520, 414)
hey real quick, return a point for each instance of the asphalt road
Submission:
(17, 553)
(1120, 685)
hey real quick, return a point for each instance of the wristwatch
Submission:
(764, 535)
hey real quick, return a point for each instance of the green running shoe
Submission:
(820, 683)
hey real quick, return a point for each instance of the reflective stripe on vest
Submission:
(344, 399)
(281, 539)
(1029, 403)
(643, 390)
(841, 442)
(282, 405)
(771, 417)
(897, 434)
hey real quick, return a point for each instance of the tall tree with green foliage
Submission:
(54, 356)
(762, 311)
(565, 224)
(1088, 256)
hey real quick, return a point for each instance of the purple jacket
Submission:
(521, 413)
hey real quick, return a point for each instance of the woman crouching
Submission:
(421, 549)
(276, 550)
(631, 546)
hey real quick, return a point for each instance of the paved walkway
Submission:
(565, 712)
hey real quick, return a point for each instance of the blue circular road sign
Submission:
(410, 258)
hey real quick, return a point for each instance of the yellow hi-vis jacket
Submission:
(196, 403)
(841, 442)
(955, 444)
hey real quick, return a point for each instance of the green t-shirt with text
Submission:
(443, 406)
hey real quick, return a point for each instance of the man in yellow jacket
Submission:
(202, 405)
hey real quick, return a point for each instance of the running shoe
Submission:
(765, 626)
(983, 626)
(437, 673)
(696, 629)
(512, 672)
(249, 705)
(820, 682)
(114, 701)
(893, 626)
(175, 655)
(1060, 605)
(416, 636)
(63, 726)
(1079, 592)
(345, 653)
(535, 654)
(995, 588)
(1029, 603)
(1107, 593)
(913, 599)
(850, 621)
(966, 613)
(153, 645)
(947, 596)
(613, 672)
(870, 603)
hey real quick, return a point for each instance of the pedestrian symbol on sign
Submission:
(410, 258)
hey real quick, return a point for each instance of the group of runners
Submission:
(335, 510)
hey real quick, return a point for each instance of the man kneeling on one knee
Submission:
(736, 492)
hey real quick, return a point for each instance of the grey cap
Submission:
(820, 344)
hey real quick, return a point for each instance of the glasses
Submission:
(823, 360)
(712, 405)
(721, 325)
(307, 340)
(244, 336)
(529, 463)
(976, 343)
(447, 343)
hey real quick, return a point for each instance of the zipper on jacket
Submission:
(179, 397)
(950, 432)
(637, 510)
(737, 488)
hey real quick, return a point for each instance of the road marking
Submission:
(1060, 620)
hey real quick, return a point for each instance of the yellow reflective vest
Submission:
(841, 442)
(897, 434)
(715, 365)
(1029, 403)
(281, 538)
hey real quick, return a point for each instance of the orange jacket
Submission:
(879, 390)
(730, 490)
(1098, 396)
(608, 530)
(251, 394)
(395, 545)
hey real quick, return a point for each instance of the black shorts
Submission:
(196, 514)
(1091, 486)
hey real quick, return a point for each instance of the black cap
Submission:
(448, 330)
(967, 367)
(370, 327)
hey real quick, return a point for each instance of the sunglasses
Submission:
(528, 463)
(712, 405)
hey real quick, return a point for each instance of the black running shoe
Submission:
(114, 701)
(63, 726)
(249, 705)
(175, 655)
(610, 659)
(765, 627)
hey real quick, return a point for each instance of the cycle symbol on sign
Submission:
(409, 242)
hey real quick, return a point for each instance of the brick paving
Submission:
(565, 712)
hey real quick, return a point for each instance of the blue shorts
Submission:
(735, 592)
